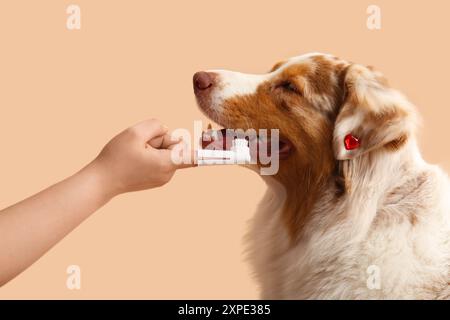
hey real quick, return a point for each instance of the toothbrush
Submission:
(239, 153)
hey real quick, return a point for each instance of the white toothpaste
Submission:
(239, 153)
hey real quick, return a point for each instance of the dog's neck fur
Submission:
(368, 179)
(394, 215)
(372, 178)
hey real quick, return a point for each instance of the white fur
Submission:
(235, 84)
(331, 261)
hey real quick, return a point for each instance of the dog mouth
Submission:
(205, 86)
(222, 139)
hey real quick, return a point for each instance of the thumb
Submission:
(163, 142)
(182, 156)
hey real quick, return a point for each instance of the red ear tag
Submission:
(351, 142)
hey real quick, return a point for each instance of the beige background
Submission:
(64, 93)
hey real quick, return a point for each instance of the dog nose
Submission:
(203, 80)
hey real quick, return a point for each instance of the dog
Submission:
(353, 212)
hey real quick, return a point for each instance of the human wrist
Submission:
(100, 180)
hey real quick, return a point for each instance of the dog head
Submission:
(316, 101)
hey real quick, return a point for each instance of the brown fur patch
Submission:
(397, 143)
(404, 196)
(277, 65)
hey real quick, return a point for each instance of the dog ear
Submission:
(372, 115)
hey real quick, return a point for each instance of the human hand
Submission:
(136, 159)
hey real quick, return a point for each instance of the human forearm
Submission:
(31, 227)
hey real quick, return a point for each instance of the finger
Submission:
(188, 155)
(169, 141)
(150, 129)
(163, 142)
(156, 142)
(180, 156)
(186, 165)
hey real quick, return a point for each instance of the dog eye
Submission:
(289, 86)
